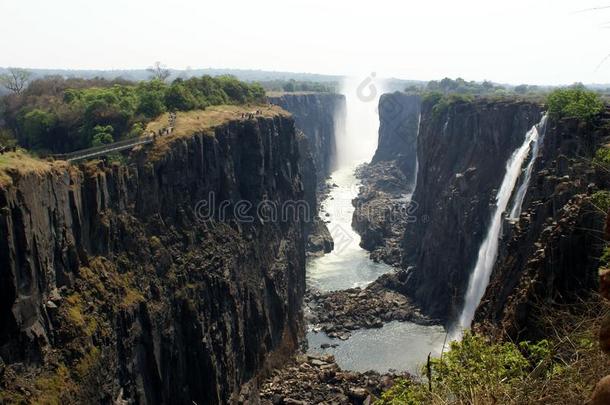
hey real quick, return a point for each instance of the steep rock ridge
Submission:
(462, 152)
(117, 281)
(382, 207)
(398, 127)
(317, 115)
(551, 253)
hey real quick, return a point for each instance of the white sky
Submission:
(535, 41)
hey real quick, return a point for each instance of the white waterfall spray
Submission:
(357, 136)
(416, 157)
(537, 134)
(479, 278)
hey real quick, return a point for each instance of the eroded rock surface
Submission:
(319, 380)
(117, 281)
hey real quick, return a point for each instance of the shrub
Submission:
(561, 369)
(601, 200)
(602, 158)
(102, 135)
(574, 102)
(474, 370)
(7, 139)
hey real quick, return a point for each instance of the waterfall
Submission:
(416, 158)
(357, 136)
(488, 251)
(537, 135)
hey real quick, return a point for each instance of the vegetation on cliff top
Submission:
(60, 115)
(574, 102)
(20, 162)
(198, 121)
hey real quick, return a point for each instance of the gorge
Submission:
(423, 215)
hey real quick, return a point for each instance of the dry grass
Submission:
(21, 163)
(578, 362)
(204, 121)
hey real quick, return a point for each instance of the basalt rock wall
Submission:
(157, 281)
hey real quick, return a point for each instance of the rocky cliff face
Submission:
(316, 114)
(120, 281)
(551, 253)
(462, 151)
(398, 127)
(381, 208)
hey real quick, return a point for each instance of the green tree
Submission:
(37, 127)
(180, 98)
(576, 102)
(7, 139)
(102, 135)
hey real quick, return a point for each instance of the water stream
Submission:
(479, 278)
(400, 346)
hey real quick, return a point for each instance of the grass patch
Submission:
(22, 163)
(203, 121)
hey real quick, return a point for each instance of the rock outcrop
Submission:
(157, 281)
(317, 115)
(319, 380)
(462, 152)
(382, 210)
(383, 204)
(337, 313)
(398, 127)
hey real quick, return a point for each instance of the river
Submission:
(401, 346)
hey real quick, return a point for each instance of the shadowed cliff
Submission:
(118, 279)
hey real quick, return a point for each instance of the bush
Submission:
(563, 369)
(575, 102)
(474, 370)
(602, 158)
(102, 135)
(7, 139)
(601, 200)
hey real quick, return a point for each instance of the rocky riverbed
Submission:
(338, 312)
(310, 379)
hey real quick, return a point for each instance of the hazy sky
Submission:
(518, 41)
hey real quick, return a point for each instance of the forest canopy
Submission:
(57, 115)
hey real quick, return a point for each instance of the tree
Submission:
(7, 140)
(159, 71)
(15, 80)
(37, 128)
(521, 89)
(179, 97)
(576, 102)
(102, 135)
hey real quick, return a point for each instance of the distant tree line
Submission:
(60, 115)
(297, 85)
(461, 86)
